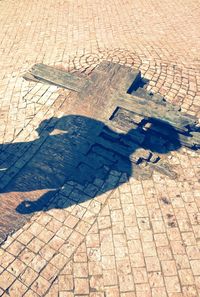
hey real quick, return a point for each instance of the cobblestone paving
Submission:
(141, 239)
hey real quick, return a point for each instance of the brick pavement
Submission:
(141, 239)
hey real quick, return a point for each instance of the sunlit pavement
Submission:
(142, 238)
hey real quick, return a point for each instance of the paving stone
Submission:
(80, 269)
(16, 267)
(17, 289)
(172, 284)
(81, 286)
(169, 268)
(65, 282)
(40, 286)
(28, 276)
(195, 267)
(6, 259)
(6, 279)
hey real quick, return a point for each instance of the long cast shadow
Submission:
(83, 150)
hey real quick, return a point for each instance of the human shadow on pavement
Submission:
(85, 151)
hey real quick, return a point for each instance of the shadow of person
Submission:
(82, 150)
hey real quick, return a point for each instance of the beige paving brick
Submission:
(80, 257)
(182, 261)
(107, 248)
(6, 279)
(157, 292)
(95, 268)
(68, 268)
(47, 252)
(121, 252)
(67, 249)
(96, 283)
(15, 248)
(35, 245)
(83, 227)
(174, 234)
(76, 238)
(28, 276)
(43, 219)
(152, 263)
(59, 261)
(172, 284)
(16, 267)
(158, 226)
(137, 260)
(193, 252)
(40, 286)
(161, 239)
(65, 282)
(126, 283)
(149, 249)
(108, 262)
(123, 266)
(17, 289)
(141, 211)
(38, 263)
(92, 240)
(80, 269)
(104, 222)
(112, 291)
(45, 235)
(49, 272)
(56, 242)
(169, 268)
(25, 237)
(140, 275)
(186, 277)
(53, 225)
(26, 256)
(132, 233)
(35, 228)
(81, 286)
(116, 215)
(155, 279)
(110, 277)
(6, 259)
(134, 246)
(195, 264)
(143, 290)
(71, 221)
(190, 291)
(164, 253)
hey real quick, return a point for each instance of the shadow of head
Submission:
(74, 134)
(158, 136)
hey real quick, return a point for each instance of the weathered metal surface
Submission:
(57, 77)
(122, 102)
(149, 109)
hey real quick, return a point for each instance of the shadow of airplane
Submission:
(82, 150)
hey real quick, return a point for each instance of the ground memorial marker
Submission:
(119, 90)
